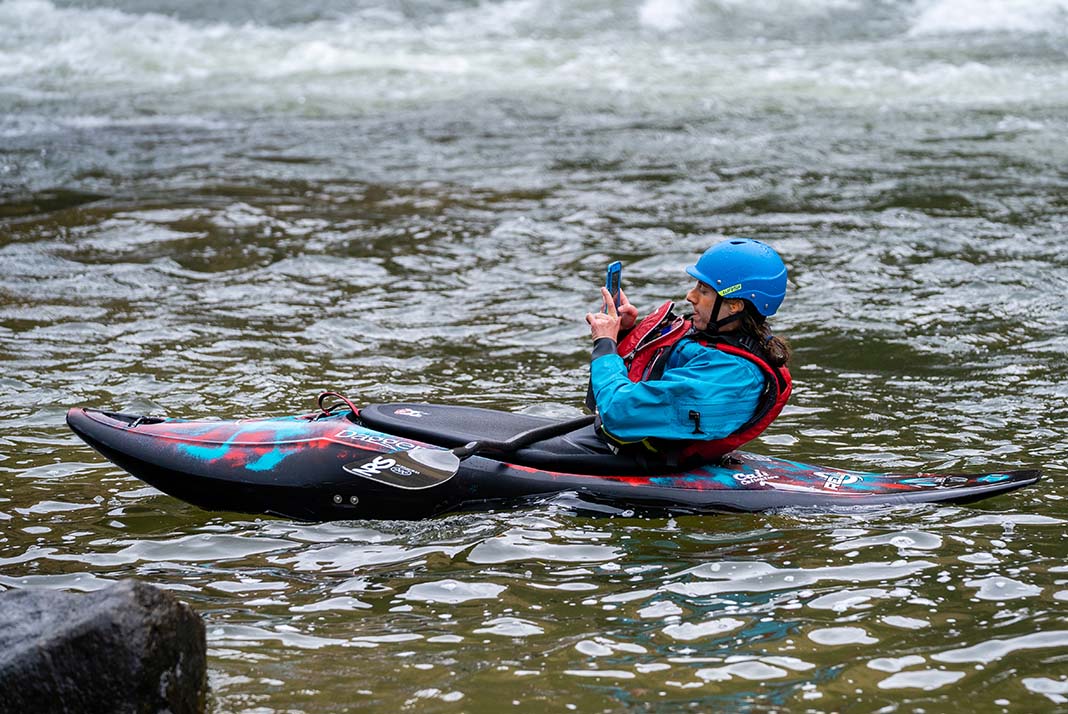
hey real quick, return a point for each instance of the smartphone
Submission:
(613, 280)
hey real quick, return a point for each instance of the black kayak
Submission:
(345, 464)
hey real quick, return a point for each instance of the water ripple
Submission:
(416, 201)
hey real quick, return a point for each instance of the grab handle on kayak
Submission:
(329, 411)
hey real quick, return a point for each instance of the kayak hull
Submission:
(294, 467)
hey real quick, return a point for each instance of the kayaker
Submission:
(678, 390)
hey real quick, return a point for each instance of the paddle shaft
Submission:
(526, 438)
(421, 467)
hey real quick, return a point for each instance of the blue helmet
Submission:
(744, 268)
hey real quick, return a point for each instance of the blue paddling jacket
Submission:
(664, 383)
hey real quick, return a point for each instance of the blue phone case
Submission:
(613, 280)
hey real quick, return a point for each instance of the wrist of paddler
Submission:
(603, 346)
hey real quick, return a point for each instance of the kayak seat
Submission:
(452, 426)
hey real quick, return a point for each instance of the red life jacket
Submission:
(645, 351)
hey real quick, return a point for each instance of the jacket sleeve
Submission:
(721, 389)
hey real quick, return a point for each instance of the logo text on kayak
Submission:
(409, 412)
(377, 466)
(756, 478)
(834, 481)
(374, 439)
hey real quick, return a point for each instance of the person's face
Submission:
(703, 299)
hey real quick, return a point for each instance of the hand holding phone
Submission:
(613, 282)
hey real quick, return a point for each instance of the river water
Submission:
(224, 208)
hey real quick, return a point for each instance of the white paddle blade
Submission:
(436, 459)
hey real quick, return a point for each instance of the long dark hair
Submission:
(776, 349)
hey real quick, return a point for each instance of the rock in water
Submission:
(131, 647)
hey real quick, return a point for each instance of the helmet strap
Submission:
(714, 326)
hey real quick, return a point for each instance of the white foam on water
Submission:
(246, 586)
(509, 627)
(665, 14)
(905, 541)
(906, 623)
(797, 665)
(600, 673)
(740, 576)
(661, 609)
(334, 603)
(351, 557)
(81, 582)
(928, 680)
(106, 65)
(993, 650)
(754, 671)
(979, 558)
(845, 600)
(895, 664)
(1007, 520)
(452, 592)
(19, 125)
(687, 632)
(184, 549)
(591, 648)
(971, 16)
(999, 588)
(603, 647)
(835, 636)
(239, 634)
(568, 587)
(1052, 689)
(46, 507)
(519, 545)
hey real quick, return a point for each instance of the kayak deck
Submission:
(294, 467)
